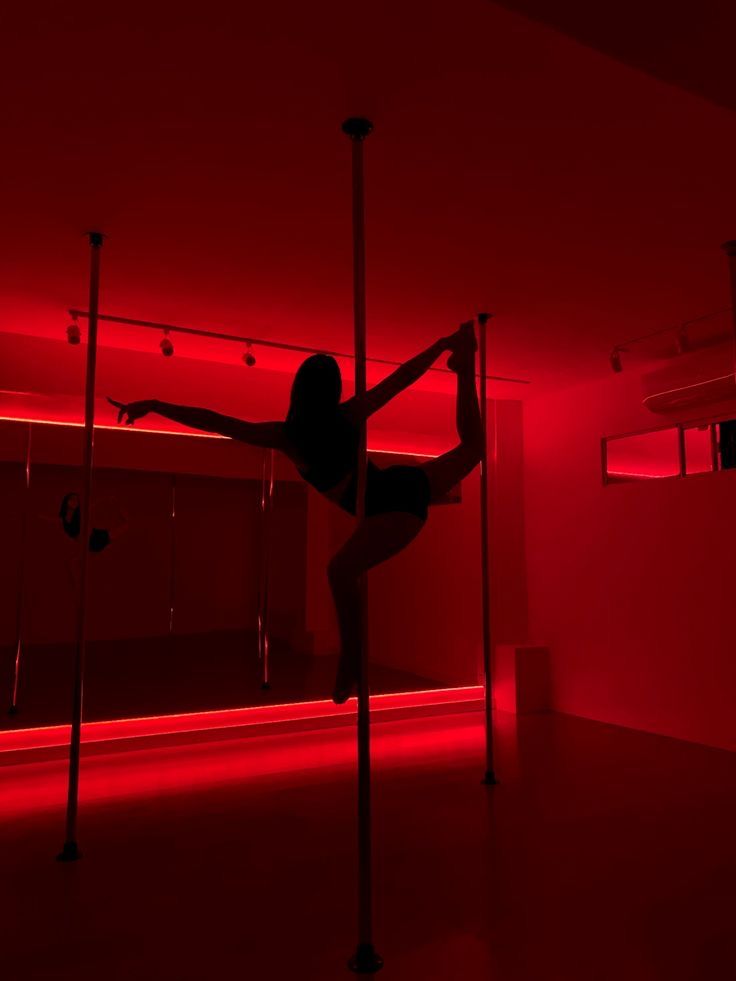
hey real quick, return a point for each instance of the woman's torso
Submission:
(326, 455)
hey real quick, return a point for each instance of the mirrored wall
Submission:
(210, 589)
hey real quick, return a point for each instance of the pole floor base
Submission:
(489, 779)
(69, 853)
(365, 960)
(13, 710)
(266, 686)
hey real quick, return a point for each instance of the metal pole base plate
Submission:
(266, 686)
(365, 960)
(13, 710)
(69, 853)
(489, 779)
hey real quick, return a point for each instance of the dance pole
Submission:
(13, 710)
(485, 562)
(70, 852)
(365, 960)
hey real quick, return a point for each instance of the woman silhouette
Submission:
(321, 435)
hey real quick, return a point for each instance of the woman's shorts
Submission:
(399, 488)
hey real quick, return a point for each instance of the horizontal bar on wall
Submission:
(262, 342)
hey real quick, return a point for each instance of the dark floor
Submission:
(603, 854)
(166, 675)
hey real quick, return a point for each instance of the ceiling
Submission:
(511, 168)
(683, 43)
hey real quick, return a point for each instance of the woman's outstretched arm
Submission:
(268, 434)
(404, 376)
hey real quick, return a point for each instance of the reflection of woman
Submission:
(321, 437)
(108, 523)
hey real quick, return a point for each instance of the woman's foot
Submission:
(464, 346)
(346, 680)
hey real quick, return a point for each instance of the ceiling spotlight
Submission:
(615, 359)
(73, 334)
(167, 348)
(249, 358)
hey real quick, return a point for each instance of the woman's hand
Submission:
(131, 411)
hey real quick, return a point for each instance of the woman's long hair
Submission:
(314, 423)
(315, 394)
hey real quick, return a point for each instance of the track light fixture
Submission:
(73, 333)
(167, 348)
(249, 358)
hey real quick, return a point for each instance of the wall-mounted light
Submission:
(249, 358)
(73, 333)
(167, 348)
(615, 359)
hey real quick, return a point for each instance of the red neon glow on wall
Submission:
(170, 429)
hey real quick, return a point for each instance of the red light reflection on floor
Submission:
(154, 772)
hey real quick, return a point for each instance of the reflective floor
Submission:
(603, 854)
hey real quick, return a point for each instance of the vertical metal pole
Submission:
(365, 960)
(70, 852)
(172, 557)
(22, 577)
(264, 637)
(485, 564)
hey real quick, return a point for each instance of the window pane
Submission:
(698, 450)
(644, 457)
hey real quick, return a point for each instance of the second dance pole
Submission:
(365, 960)
(70, 851)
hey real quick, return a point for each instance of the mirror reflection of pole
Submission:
(266, 506)
(19, 615)
(70, 851)
(365, 960)
(485, 564)
(172, 556)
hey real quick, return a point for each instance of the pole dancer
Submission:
(13, 710)
(321, 437)
(485, 564)
(70, 852)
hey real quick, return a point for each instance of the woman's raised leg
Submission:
(448, 470)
